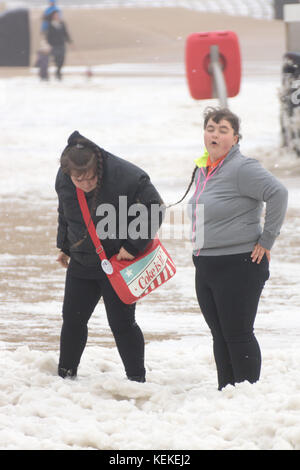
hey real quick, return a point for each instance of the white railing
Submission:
(251, 8)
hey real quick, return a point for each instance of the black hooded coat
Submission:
(123, 185)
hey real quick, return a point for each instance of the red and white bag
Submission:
(134, 279)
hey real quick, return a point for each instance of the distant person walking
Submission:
(42, 61)
(47, 15)
(57, 37)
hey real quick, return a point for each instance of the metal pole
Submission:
(219, 84)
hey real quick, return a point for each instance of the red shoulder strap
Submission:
(89, 223)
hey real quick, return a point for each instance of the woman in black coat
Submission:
(107, 181)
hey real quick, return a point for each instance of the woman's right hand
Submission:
(63, 259)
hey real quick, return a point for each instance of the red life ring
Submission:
(197, 59)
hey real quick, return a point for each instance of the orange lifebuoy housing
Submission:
(197, 60)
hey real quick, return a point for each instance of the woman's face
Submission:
(219, 138)
(87, 182)
(55, 16)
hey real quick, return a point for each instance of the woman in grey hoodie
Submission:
(231, 249)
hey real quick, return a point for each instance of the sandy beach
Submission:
(154, 35)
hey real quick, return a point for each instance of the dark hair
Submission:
(80, 156)
(216, 114)
(187, 191)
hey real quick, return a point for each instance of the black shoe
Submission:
(67, 373)
(137, 378)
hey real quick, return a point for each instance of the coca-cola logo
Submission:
(152, 271)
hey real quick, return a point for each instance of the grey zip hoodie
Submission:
(226, 208)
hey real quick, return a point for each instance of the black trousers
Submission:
(58, 53)
(80, 300)
(228, 290)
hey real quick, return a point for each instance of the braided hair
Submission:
(187, 190)
(81, 156)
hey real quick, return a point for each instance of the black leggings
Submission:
(228, 290)
(58, 53)
(81, 298)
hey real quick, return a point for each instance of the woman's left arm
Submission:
(256, 182)
(66, 34)
(151, 216)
